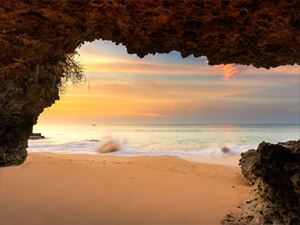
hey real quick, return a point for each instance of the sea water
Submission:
(176, 140)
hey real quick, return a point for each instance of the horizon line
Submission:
(99, 124)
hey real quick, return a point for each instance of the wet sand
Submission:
(82, 189)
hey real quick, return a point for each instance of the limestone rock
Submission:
(273, 171)
(35, 136)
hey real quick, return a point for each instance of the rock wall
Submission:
(273, 171)
(23, 97)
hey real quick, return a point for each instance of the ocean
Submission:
(173, 140)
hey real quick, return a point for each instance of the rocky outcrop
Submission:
(273, 171)
(23, 97)
(35, 136)
(38, 36)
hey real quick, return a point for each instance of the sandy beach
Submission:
(83, 189)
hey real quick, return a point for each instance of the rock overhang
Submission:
(249, 32)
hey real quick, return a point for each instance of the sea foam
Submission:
(121, 148)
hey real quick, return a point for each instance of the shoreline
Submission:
(55, 188)
(226, 160)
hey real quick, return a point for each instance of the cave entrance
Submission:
(161, 104)
(166, 102)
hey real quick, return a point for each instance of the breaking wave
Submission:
(122, 148)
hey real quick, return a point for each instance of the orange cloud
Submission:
(152, 68)
(112, 64)
(101, 63)
(144, 114)
(231, 70)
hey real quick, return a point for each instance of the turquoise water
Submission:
(180, 140)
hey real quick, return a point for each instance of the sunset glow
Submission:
(165, 88)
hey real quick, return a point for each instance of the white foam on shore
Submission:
(91, 146)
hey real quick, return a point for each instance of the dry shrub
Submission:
(72, 71)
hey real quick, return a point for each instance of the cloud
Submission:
(231, 70)
(144, 114)
(118, 64)
(134, 67)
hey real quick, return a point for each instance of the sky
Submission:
(167, 89)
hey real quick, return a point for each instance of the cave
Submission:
(39, 38)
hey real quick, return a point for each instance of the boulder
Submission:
(273, 171)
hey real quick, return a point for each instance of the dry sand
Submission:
(82, 189)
